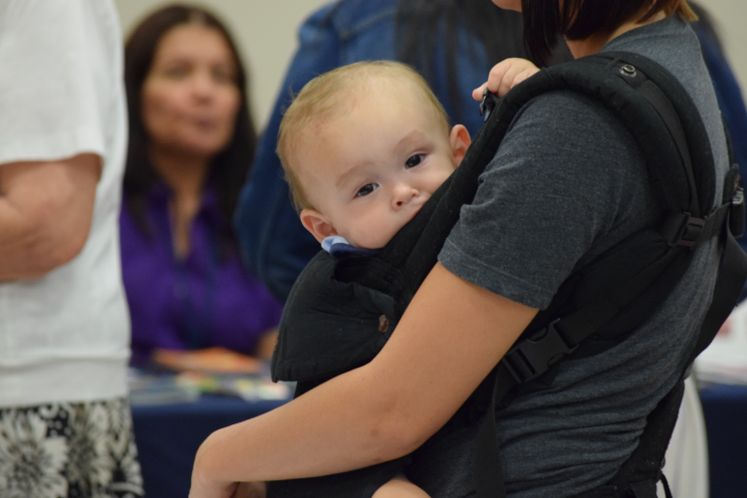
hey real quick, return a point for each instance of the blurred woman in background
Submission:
(191, 144)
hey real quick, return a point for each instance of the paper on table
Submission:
(167, 388)
(248, 387)
(151, 389)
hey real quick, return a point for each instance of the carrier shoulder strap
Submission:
(620, 290)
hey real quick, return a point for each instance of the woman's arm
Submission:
(451, 336)
(211, 360)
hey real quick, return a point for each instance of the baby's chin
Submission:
(379, 242)
(369, 245)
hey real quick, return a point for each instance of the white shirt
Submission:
(65, 336)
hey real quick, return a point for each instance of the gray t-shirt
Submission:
(567, 183)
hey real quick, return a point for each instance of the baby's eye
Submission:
(414, 160)
(366, 189)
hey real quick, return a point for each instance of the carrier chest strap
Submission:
(537, 352)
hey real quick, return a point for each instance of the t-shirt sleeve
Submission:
(557, 185)
(54, 83)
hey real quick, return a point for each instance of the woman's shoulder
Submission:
(567, 121)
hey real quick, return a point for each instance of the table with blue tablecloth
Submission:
(168, 436)
(725, 411)
(173, 414)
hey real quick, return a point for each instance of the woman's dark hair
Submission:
(425, 25)
(544, 20)
(230, 167)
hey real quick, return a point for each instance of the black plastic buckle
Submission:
(688, 232)
(487, 104)
(533, 356)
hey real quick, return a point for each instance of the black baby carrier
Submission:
(342, 310)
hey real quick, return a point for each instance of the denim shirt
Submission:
(274, 244)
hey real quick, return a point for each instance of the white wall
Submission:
(266, 33)
(730, 17)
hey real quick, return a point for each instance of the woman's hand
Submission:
(250, 490)
(235, 490)
(203, 483)
(504, 76)
(205, 490)
(266, 344)
(209, 360)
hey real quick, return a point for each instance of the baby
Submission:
(363, 148)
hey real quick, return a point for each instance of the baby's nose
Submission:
(403, 194)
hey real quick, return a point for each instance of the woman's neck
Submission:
(594, 43)
(185, 175)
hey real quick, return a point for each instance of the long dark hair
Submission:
(544, 20)
(425, 25)
(230, 167)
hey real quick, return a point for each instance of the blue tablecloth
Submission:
(725, 411)
(168, 437)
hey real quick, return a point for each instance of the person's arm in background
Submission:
(45, 213)
(274, 245)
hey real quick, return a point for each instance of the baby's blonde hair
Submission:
(330, 93)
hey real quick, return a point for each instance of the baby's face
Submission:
(368, 172)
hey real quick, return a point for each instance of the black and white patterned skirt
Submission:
(69, 450)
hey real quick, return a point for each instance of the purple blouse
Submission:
(201, 301)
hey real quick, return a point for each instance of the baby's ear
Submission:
(459, 140)
(317, 224)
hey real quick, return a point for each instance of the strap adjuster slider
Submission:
(534, 355)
